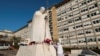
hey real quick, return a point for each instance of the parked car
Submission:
(4, 47)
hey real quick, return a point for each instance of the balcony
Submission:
(75, 44)
(91, 2)
(60, 33)
(59, 21)
(70, 17)
(98, 0)
(75, 9)
(84, 12)
(91, 43)
(97, 33)
(70, 23)
(82, 6)
(80, 1)
(65, 31)
(98, 24)
(78, 21)
(82, 43)
(72, 37)
(89, 26)
(76, 15)
(96, 16)
(79, 36)
(98, 42)
(71, 30)
(67, 45)
(74, 3)
(93, 9)
(91, 34)
(85, 19)
(79, 28)
(68, 12)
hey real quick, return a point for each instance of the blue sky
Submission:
(14, 14)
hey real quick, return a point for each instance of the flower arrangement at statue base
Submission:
(48, 41)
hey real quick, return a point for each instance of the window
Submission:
(76, 12)
(59, 25)
(85, 9)
(66, 17)
(81, 40)
(96, 5)
(88, 16)
(93, 6)
(91, 39)
(73, 41)
(61, 36)
(77, 19)
(65, 29)
(97, 29)
(74, 2)
(89, 1)
(60, 30)
(80, 32)
(59, 19)
(83, 3)
(70, 15)
(71, 28)
(65, 23)
(63, 12)
(99, 4)
(67, 41)
(66, 36)
(98, 37)
(87, 23)
(96, 21)
(75, 7)
(68, 10)
(95, 13)
(85, 16)
(79, 25)
(88, 31)
(70, 21)
(58, 14)
(71, 34)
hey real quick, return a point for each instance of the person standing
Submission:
(60, 50)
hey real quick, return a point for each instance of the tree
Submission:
(15, 41)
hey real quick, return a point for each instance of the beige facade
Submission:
(24, 33)
(53, 23)
(78, 23)
(6, 35)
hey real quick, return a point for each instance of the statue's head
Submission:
(42, 9)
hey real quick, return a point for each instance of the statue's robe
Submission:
(40, 27)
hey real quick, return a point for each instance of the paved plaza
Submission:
(8, 53)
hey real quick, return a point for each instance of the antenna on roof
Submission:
(47, 4)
